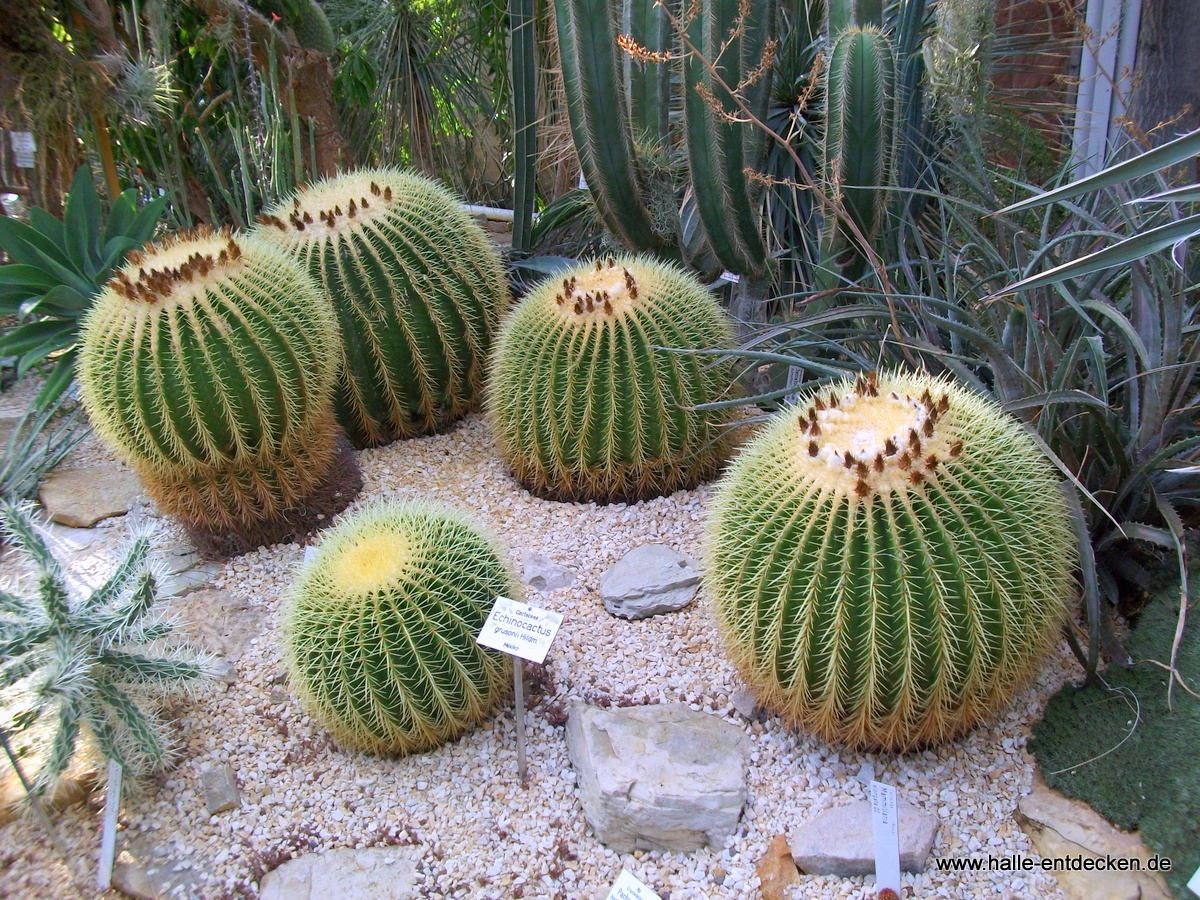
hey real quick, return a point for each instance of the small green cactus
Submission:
(889, 561)
(71, 664)
(418, 289)
(208, 362)
(585, 402)
(379, 628)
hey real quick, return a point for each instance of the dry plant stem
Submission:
(877, 264)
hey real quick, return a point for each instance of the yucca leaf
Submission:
(1169, 154)
(1187, 194)
(53, 387)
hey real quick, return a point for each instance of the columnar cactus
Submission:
(379, 628)
(208, 363)
(585, 402)
(889, 561)
(418, 289)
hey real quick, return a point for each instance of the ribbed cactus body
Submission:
(379, 629)
(208, 363)
(584, 401)
(889, 561)
(418, 289)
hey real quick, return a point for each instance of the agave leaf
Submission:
(53, 387)
(146, 219)
(120, 215)
(114, 251)
(61, 300)
(49, 226)
(81, 222)
(14, 276)
(33, 335)
(523, 40)
(1169, 154)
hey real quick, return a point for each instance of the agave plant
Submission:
(58, 266)
(88, 664)
(39, 441)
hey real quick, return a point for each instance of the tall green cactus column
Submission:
(208, 363)
(890, 561)
(418, 289)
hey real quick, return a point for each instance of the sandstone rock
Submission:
(840, 841)
(649, 580)
(220, 787)
(777, 870)
(380, 873)
(81, 497)
(543, 575)
(1060, 828)
(657, 777)
(74, 787)
(152, 874)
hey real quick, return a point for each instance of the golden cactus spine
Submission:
(585, 402)
(208, 363)
(418, 289)
(890, 561)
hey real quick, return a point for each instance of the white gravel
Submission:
(478, 833)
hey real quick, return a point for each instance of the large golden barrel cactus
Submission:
(208, 363)
(418, 289)
(889, 561)
(586, 398)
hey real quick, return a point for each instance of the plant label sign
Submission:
(24, 149)
(520, 629)
(626, 887)
(886, 829)
(1194, 883)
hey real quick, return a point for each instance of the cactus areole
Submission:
(890, 561)
(587, 399)
(379, 628)
(207, 362)
(418, 289)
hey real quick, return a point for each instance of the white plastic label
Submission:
(582, 182)
(626, 887)
(1194, 884)
(886, 829)
(520, 629)
(23, 147)
(731, 278)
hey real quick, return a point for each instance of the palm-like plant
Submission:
(87, 663)
(58, 266)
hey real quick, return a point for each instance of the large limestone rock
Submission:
(840, 841)
(380, 873)
(657, 777)
(649, 580)
(81, 497)
(1066, 829)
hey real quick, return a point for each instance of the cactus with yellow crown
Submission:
(418, 289)
(586, 397)
(379, 628)
(890, 561)
(208, 364)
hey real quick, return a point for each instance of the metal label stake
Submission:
(519, 698)
(108, 837)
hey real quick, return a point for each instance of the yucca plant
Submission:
(41, 439)
(418, 289)
(890, 560)
(591, 385)
(71, 664)
(379, 627)
(208, 363)
(57, 267)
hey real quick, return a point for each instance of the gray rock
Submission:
(840, 841)
(183, 570)
(746, 704)
(221, 792)
(649, 580)
(82, 497)
(658, 777)
(151, 874)
(543, 575)
(218, 621)
(379, 873)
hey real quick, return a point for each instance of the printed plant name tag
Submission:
(626, 887)
(886, 830)
(520, 629)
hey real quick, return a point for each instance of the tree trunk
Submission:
(1168, 68)
(310, 77)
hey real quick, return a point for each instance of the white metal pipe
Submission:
(493, 213)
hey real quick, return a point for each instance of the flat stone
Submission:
(649, 580)
(543, 575)
(81, 497)
(152, 874)
(777, 870)
(182, 570)
(658, 777)
(218, 621)
(840, 841)
(220, 787)
(1060, 828)
(378, 873)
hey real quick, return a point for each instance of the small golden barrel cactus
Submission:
(208, 363)
(379, 628)
(889, 561)
(585, 397)
(418, 289)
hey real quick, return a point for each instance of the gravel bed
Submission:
(476, 831)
